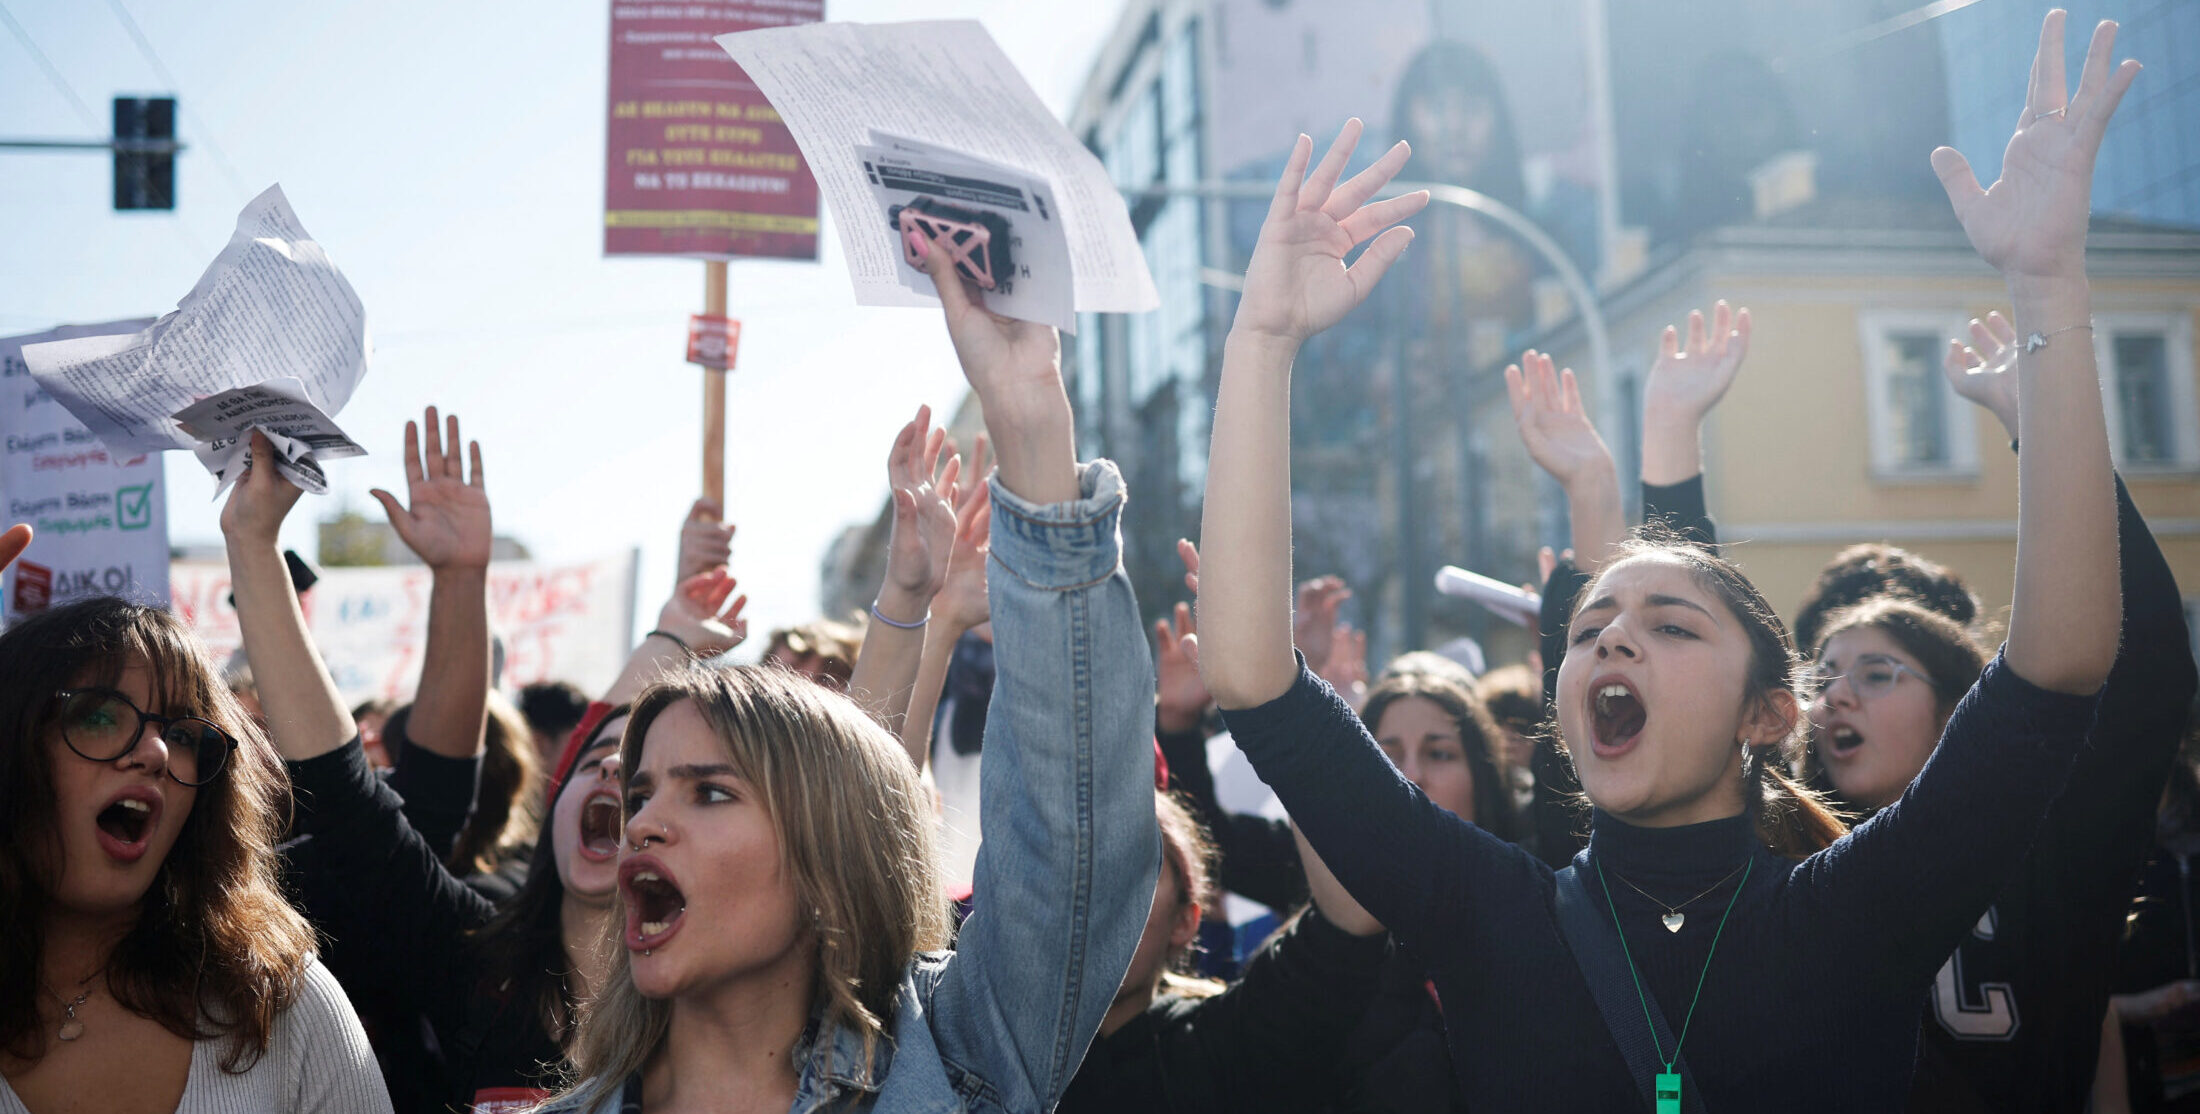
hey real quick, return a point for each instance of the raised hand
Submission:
(448, 522)
(1314, 620)
(961, 603)
(1189, 554)
(1985, 371)
(1553, 424)
(924, 518)
(1000, 355)
(699, 616)
(706, 539)
(261, 499)
(1181, 698)
(13, 543)
(1345, 666)
(1685, 383)
(1297, 283)
(2030, 225)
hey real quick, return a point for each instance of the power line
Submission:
(53, 75)
(160, 69)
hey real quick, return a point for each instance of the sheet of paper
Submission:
(302, 435)
(271, 304)
(1015, 237)
(1508, 601)
(947, 84)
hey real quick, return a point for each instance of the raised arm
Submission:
(959, 608)
(1563, 441)
(1071, 851)
(923, 531)
(448, 527)
(2031, 226)
(1296, 285)
(1683, 386)
(697, 622)
(305, 714)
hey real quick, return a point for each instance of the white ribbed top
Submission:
(317, 1062)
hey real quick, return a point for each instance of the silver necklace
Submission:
(71, 1027)
(1674, 918)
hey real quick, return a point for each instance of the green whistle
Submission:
(1669, 1092)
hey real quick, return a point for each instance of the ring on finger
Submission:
(2039, 116)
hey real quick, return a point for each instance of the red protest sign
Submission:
(33, 588)
(712, 340)
(697, 163)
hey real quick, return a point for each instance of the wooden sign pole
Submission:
(714, 391)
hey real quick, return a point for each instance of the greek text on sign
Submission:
(712, 341)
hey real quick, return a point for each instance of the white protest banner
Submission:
(563, 622)
(947, 84)
(272, 304)
(100, 523)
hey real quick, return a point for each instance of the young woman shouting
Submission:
(1699, 954)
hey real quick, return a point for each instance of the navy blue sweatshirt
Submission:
(2016, 1013)
(1821, 977)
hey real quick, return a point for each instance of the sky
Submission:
(450, 159)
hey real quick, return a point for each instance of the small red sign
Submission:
(712, 340)
(33, 588)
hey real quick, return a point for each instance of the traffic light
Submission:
(145, 153)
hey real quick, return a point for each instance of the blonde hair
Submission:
(855, 834)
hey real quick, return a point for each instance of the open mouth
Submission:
(600, 824)
(654, 904)
(1841, 740)
(1616, 716)
(127, 823)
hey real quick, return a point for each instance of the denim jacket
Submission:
(1066, 874)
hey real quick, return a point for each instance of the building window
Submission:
(1919, 428)
(2147, 389)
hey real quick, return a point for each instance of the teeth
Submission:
(135, 805)
(1613, 690)
(652, 928)
(646, 876)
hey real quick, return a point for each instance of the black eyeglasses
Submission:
(102, 725)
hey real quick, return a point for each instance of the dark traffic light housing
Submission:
(145, 153)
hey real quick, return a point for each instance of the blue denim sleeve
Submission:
(1066, 874)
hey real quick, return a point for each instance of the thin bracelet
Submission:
(2036, 341)
(672, 638)
(897, 625)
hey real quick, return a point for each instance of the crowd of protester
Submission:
(971, 852)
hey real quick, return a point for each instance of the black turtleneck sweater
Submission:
(1820, 979)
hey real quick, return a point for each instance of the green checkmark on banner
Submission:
(134, 507)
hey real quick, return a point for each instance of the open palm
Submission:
(2031, 223)
(1553, 424)
(1985, 371)
(1297, 283)
(1687, 381)
(447, 523)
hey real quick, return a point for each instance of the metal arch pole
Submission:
(1440, 193)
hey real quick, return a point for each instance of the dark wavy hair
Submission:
(1493, 804)
(216, 952)
(1874, 569)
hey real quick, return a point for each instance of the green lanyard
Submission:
(1669, 1081)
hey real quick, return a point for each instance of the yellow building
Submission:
(1842, 429)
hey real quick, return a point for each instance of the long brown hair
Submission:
(1791, 819)
(508, 805)
(855, 832)
(216, 951)
(1493, 805)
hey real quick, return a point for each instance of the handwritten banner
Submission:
(557, 622)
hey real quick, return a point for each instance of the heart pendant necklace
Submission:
(1674, 918)
(71, 1027)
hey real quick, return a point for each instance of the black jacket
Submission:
(1266, 1044)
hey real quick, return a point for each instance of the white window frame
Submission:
(1961, 423)
(2176, 330)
